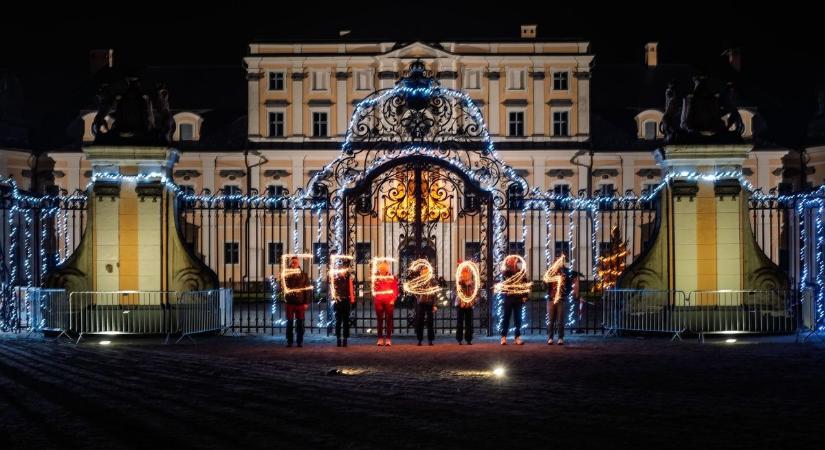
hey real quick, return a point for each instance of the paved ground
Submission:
(254, 393)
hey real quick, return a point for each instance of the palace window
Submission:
(516, 248)
(274, 252)
(516, 79)
(561, 81)
(472, 251)
(515, 123)
(231, 253)
(363, 252)
(562, 247)
(277, 124)
(320, 121)
(187, 132)
(561, 190)
(320, 80)
(650, 127)
(561, 123)
(472, 79)
(363, 80)
(276, 81)
(228, 190)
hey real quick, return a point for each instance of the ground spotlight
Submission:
(105, 342)
(730, 341)
(498, 371)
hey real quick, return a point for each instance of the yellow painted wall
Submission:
(107, 247)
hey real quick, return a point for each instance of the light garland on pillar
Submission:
(421, 284)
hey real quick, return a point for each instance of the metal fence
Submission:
(701, 312)
(242, 241)
(149, 313)
(203, 312)
(41, 309)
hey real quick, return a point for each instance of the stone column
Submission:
(538, 101)
(253, 78)
(208, 167)
(298, 76)
(341, 76)
(583, 103)
(493, 103)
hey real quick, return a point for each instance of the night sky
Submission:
(781, 48)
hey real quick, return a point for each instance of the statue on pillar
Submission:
(136, 118)
(703, 116)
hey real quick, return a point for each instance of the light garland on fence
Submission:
(514, 284)
(375, 276)
(303, 199)
(472, 267)
(421, 284)
(289, 271)
(335, 271)
(273, 284)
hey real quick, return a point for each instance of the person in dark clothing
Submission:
(560, 281)
(466, 297)
(423, 286)
(297, 291)
(343, 298)
(515, 289)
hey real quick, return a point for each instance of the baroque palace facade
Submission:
(564, 122)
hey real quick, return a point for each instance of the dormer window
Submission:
(188, 127)
(187, 132)
(649, 130)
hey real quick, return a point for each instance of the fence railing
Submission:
(701, 312)
(41, 309)
(203, 311)
(148, 313)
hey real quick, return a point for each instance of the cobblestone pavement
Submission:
(252, 392)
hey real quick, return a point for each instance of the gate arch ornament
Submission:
(417, 119)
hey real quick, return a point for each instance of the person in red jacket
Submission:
(384, 293)
(297, 301)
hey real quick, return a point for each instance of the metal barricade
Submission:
(640, 310)
(122, 312)
(701, 312)
(41, 309)
(742, 311)
(203, 312)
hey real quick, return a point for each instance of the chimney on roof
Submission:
(652, 54)
(734, 58)
(100, 58)
(528, 31)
